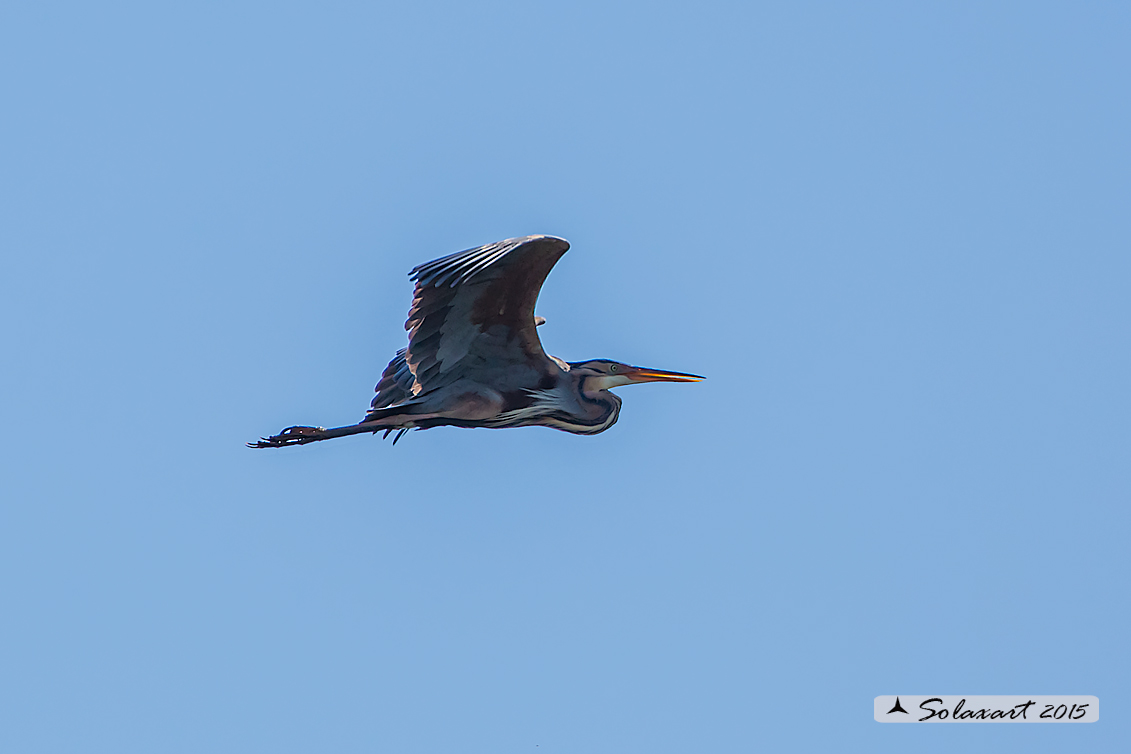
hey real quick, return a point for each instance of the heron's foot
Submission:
(289, 436)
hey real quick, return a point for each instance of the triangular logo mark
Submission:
(898, 708)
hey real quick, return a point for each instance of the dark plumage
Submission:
(474, 358)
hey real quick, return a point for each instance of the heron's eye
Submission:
(612, 368)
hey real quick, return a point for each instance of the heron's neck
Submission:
(581, 411)
(598, 404)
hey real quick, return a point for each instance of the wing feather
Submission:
(473, 314)
(396, 382)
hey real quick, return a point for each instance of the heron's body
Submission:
(474, 358)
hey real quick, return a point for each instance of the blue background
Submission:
(893, 236)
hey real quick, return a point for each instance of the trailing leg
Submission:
(391, 418)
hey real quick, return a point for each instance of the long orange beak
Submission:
(642, 374)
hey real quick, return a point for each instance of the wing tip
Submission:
(560, 243)
(439, 270)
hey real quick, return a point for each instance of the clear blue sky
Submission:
(893, 236)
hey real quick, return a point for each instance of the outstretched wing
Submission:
(472, 316)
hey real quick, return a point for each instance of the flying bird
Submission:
(474, 358)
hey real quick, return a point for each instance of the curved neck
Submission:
(601, 407)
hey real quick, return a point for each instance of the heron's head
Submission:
(603, 374)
